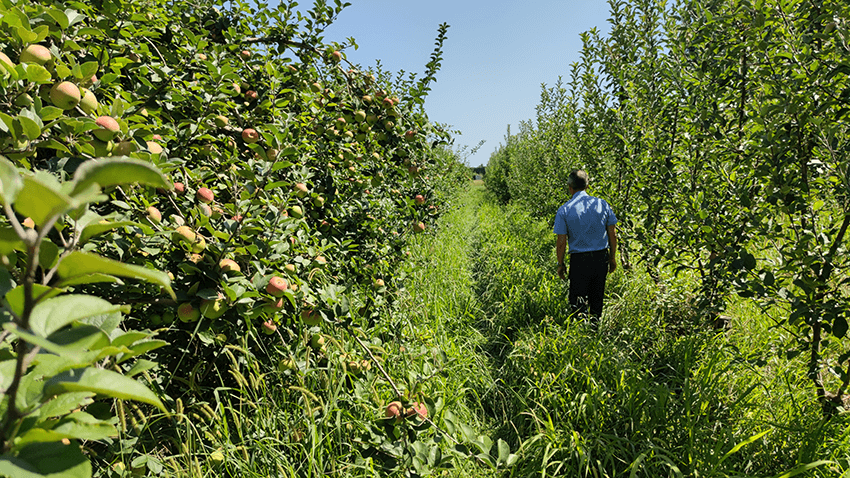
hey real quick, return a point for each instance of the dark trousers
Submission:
(588, 271)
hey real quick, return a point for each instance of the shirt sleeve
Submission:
(560, 222)
(610, 219)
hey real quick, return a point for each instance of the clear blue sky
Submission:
(497, 55)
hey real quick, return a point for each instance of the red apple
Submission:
(229, 265)
(419, 199)
(180, 188)
(205, 195)
(394, 410)
(276, 286)
(418, 227)
(108, 128)
(250, 135)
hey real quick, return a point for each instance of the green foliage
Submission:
(718, 134)
(225, 144)
(55, 341)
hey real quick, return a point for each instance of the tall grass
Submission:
(652, 393)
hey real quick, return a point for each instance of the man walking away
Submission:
(587, 222)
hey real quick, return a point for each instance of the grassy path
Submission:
(633, 400)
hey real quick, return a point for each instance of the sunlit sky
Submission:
(497, 55)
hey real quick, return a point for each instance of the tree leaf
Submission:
(83, 263)
(10, 182)
(93, 229)
(839, 327)
(103, 382)
(53, 314)
(40, 201)
(91, 279)
(15, 297)
(38, 74)
(112, 172)
(65, 403)
(56, 460)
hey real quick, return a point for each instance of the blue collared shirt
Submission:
(584, 219)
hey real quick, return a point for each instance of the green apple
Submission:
(188, 313)
(214, 308)
(88, 102)
(296, 212)
(154, 215)
(65, 95)
(35, 54)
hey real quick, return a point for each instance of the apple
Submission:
(251, 95)
(88, 102)
(273, 306)
(378, 283)
(317, 341)
(366, 99)
(180, 188)
(221, 121)
(102, 149)
(409, 135)
(154, 147)
(229, 265)
(237, 88)
(186, 235)
(28, 222)
(205, 195)
(316, 87)
(205, 209)
(187, 313)
(250, 135)
(269, 327)
(419, 199)
(287, 365)
(245, 54)
(35, 54)
(216, 458)
(394, 410)
(202, 57)
(214, 308)
(124, 148)
(296, 212)
(418, 410)
(318, 201)
(88, 81)
(276, 286)
(289, 268)
(24, 100)
(65, 95)
(336, 57)
(418, 227)
(6, 61)
(301, 190)
(311, 317)
(154, 215)
(108, 128)
(320, 262)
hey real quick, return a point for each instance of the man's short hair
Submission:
(578, 180)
